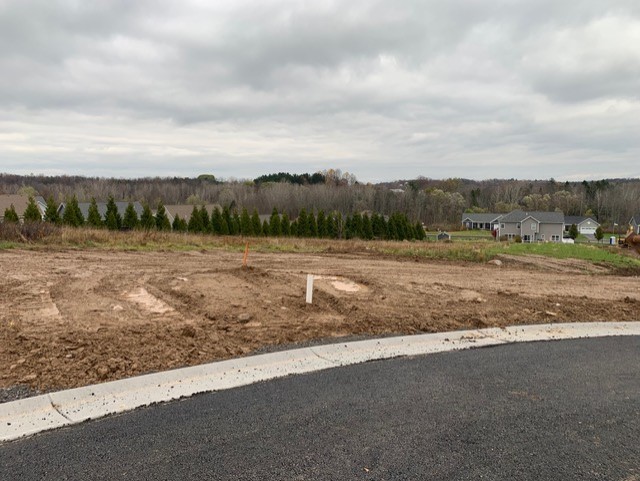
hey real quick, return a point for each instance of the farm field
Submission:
(76, 316)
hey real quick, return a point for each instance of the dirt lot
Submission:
(71, 318)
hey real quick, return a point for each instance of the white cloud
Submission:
(386, 90)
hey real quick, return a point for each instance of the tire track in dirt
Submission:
(211, 308)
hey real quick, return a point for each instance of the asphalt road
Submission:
(566, 410)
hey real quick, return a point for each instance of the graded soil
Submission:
(70, 318)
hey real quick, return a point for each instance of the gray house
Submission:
(473, 221)
(532, 226)
(585, 225)
(634, 223)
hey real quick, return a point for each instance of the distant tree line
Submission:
(300, 179)
(435, 203)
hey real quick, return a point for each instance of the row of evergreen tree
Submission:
(226, 222)
(331, 226)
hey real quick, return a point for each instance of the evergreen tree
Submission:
(356, 226)
(130, 220)
(332, 226)
(275, 227)
(32, 213)
(401, 233)
(216, 221)
(246, 227)
(367, 229)
(51, 213)
(383, 225)
(378, 226)
(147, 221)
(179, 225)
(392, 232)
(224, 227)
(10, 214)
(293, 229)
(302, 224)
(79, 214)
(285, 225)
(573, 231)
(420, 233)
(322, 225)
(113, 219)
(93, 217)
(313, 225)
(72, 215)
(255, 223)
(265, 228)
(206, 220)
(195, 221)
(403, 227)
(226, 216)
(162, 219)
(175, 225)
(234, 228)
(599, 235)
(348, 233)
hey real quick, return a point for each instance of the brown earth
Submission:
(74, 317)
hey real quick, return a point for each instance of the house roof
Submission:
(578, 219)
(635, 218)
(20, 203)
(542, 217)
(483, 217)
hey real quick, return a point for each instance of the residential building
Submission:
(532, 226)
(486, 221)
(585, 225)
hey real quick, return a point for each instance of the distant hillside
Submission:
(436, 202)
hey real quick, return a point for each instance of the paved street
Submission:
(567, 410)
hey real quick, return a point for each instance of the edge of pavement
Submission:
(63, 408)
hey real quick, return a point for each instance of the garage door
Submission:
(587, 230)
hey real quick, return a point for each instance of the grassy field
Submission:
(597, 254)
(479, 250)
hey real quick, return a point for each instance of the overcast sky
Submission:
(385, 90)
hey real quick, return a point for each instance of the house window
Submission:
(518, 225)
(502, 226)
(555, 238)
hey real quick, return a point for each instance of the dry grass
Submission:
(45, 236)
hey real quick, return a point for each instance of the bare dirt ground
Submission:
(70, 318)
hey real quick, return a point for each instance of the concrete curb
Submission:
(29, 416)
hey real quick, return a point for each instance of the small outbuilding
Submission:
(444, 236)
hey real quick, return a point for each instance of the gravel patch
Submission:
(13, 393)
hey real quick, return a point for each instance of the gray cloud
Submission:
(386, 90)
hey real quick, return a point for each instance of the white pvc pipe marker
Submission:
(309, 288)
